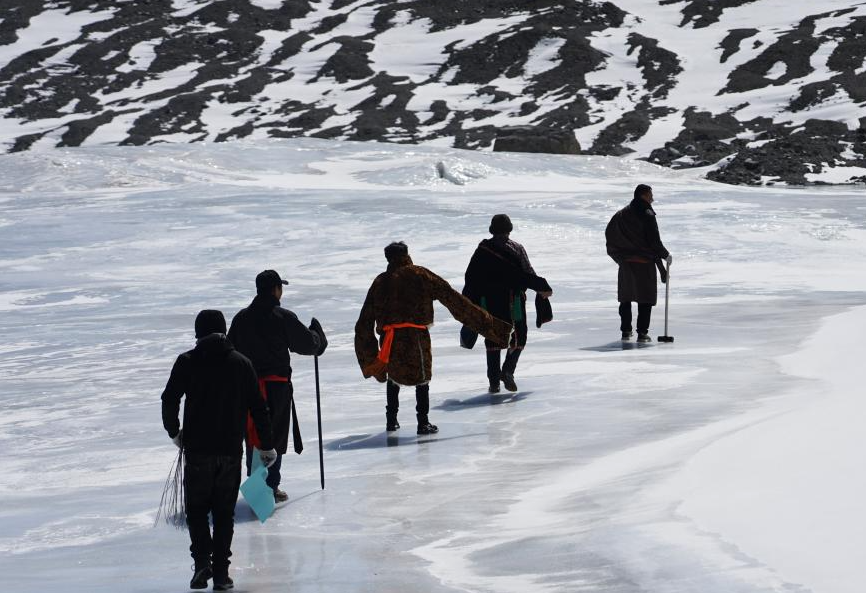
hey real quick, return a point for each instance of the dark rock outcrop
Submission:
(532, 139)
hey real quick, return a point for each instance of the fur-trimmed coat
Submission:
(405, 294)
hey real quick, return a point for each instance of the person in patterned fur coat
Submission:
(399, 308)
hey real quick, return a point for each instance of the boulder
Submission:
(532, 139)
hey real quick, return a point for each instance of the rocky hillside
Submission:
(753, 91)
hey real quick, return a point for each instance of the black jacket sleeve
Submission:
(258, 409)
(300, 338)
(171, 395)
(653, 237)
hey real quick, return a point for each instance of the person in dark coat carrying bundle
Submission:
(265, 332)
(497, 278)
(633, 242)
(221, 390)
(399, 308)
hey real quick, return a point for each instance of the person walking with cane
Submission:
(266, 333)
(633, 242)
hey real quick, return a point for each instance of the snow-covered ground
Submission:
(726, 462)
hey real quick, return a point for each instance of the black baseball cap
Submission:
(267, 280)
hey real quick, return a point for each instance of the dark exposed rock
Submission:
(629, 127)
(440, 111)
(793, 49)
(604, 93)
(350, 62)
(813, 94)
(16, 16)
(704, 140)
(703, 13)
(731, 43)
(329, 23)
(23, 143)
(533, 139)
(790, 157)
(445, 15)
(658, 65)
(239, 132)
(378, 117)
(495, 94)
(77, 131)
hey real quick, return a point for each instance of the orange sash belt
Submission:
(381, 363)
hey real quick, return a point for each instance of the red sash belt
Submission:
(253, 436)
(381, 363)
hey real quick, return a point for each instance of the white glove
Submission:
(178, 439)
(268, 457)
(669, 259)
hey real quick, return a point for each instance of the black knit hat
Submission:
(209, 321)
(500, 224)
(396, 250)
(267, 280)
(640, 190)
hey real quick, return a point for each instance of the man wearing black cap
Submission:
(265, 332)
(633, 242)
(496, 279)
(221, 390)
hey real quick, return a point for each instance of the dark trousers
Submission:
(644, 310)
(422, 401)
(494, 371)
(211, 484)
(279, 398)
(518, 341)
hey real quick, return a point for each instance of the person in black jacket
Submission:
(265, 332)
(633, 242)
(496, 279)
(221, 389)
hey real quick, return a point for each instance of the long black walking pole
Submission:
(319, 415)
(666, 337)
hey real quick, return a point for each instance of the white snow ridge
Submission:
(726, 462)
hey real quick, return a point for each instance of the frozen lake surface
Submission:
(727, 462)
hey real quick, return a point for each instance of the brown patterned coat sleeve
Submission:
(366, 344)
(468, 313)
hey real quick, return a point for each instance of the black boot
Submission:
(202, 572)
(393, 394)
(508, 382)
(427, 428)
(422, 407)
(222, 581)
(508, 368)
(493, 370)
